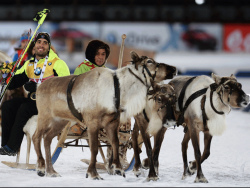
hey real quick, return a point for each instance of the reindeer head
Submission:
(164, 100)
(157, 71)
(230, 91)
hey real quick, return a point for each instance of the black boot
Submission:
(5, 150)
(2, 151)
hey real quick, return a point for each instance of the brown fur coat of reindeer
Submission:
(93, 95)
(223, 93)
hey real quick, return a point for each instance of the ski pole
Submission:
(40, 17)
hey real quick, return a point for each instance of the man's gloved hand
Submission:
(30, 86)
(39, 15)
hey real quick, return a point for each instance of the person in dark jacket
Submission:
(17, 111)
(97, 53)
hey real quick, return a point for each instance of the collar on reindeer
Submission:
(213, 88)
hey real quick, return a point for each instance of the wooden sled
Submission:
(65, 134)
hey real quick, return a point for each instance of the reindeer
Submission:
(101, 98)
(205, 113)
(158, 114)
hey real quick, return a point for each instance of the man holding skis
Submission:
(17, 111)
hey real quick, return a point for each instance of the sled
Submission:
(76, 132)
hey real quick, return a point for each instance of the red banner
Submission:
(236, 38)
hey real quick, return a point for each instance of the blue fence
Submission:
(243, 74)
(197, 72)
(239, 74)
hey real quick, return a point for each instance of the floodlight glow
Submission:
(199, 2)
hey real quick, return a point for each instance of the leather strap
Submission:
(70, 101)
(212, 104)
(117, 95)
(180, 120)
(194, 96)
(136, 76)
(145, 115)
(204, 115)
(181, 97)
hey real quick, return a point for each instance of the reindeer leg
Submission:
(206, 152)
(137, 165)
(195, 141)
(37, 137)
(93, 143)
(184, 154)
(158, 139)
(109, 166)
(111, 130)
(146, 139)
(53, 130)
(50, 172)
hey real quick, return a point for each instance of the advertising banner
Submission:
(161, 37)
(236, 38)
(147, 36)
(155, 37)
(201, 37)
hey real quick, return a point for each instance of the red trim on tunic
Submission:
(88, 64)
(36, 80)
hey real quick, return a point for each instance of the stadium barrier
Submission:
(243, 74)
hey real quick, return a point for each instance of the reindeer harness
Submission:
(145, 68)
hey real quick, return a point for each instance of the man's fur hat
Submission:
(92, 49)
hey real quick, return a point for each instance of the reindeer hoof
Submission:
(184, 177)
(201, 180)
(120, 173)
(137, 173)
(152, 178)
(191, 169)
(97, 177)
(110, 169)
(40, 173)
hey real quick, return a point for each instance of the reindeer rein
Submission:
(137, 76)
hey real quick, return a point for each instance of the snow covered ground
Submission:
(227, 166)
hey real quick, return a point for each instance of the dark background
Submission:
(184, 11)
